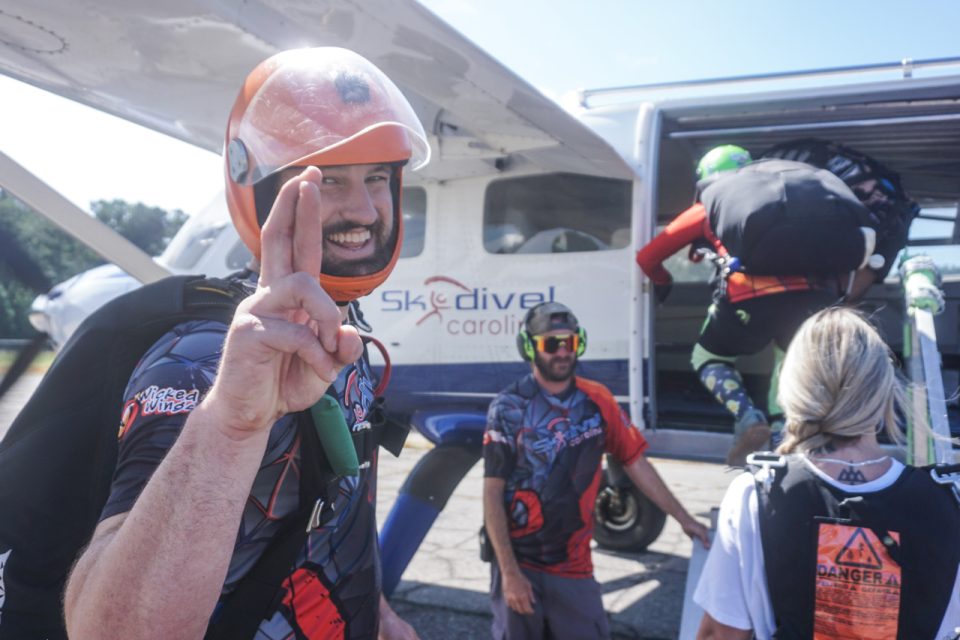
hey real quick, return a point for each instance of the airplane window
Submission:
(414, 221)
(933, 223)
(186, 249)
(198, 234)
(685, 270)
(239, 257)
(556, 213)
(934, 233)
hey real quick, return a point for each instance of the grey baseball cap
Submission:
(550, 316)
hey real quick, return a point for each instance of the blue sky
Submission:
(558, 46)
(623, 42)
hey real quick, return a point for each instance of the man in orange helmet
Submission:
(220, 427)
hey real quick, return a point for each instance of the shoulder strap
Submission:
(777, 482)
(254, 596)
(387, 431)
(768, 470)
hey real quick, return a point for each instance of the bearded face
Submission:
(560, 365)
(356, 205)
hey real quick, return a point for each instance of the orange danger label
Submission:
(858, 585)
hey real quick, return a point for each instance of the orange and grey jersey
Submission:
(549, 449)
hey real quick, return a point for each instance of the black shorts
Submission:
(563, 608)
(747, 327)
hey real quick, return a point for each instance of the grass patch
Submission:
(40, 364)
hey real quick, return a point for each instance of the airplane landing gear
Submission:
(624, 518)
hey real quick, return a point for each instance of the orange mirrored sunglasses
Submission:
(552, 344)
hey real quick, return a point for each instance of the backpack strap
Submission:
(242, 612)
(388, 432)
(256, 594)
(768, 469)
(387, 367)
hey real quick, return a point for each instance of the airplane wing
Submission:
(175, 66)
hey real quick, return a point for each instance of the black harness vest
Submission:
(924, 512)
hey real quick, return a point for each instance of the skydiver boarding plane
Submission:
(524, 202)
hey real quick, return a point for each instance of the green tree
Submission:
(58, 256)
(150, 228)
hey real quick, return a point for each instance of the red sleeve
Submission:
(685, 228)
(623, 440)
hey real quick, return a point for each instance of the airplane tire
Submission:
(625, 519)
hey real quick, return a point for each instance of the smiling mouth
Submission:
(353, 239)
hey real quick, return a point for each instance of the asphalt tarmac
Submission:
(443, 592)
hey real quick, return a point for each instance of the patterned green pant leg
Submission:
(725, 384)
(721, 378)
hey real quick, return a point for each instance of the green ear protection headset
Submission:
(548, 316)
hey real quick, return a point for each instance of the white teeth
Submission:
(350, 237)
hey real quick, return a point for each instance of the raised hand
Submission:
(286, 343)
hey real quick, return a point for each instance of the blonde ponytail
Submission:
(838, 382)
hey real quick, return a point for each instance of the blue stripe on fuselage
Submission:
(471, 386)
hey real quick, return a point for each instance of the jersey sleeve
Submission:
(168, 382)
(623, 440)
(683, 230)
(499, 441)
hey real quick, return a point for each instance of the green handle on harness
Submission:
(335, 437)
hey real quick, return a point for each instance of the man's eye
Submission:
(377, 178)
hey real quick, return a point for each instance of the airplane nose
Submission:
(38, 314)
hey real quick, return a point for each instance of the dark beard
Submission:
(377, 262)
(550, 374)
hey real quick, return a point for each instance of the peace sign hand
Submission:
(286, 343)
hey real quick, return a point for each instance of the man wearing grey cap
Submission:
(543, 446)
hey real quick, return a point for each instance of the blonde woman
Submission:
(835, 537)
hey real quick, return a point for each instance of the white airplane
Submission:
(523, 202)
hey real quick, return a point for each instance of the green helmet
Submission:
(723, 158)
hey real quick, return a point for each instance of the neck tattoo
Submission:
(852, 476)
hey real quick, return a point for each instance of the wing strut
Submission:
(102, 239)
(928, 433)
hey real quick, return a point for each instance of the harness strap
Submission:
(385, 378)
(253, 598)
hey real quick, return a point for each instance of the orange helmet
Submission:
(323, 106)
